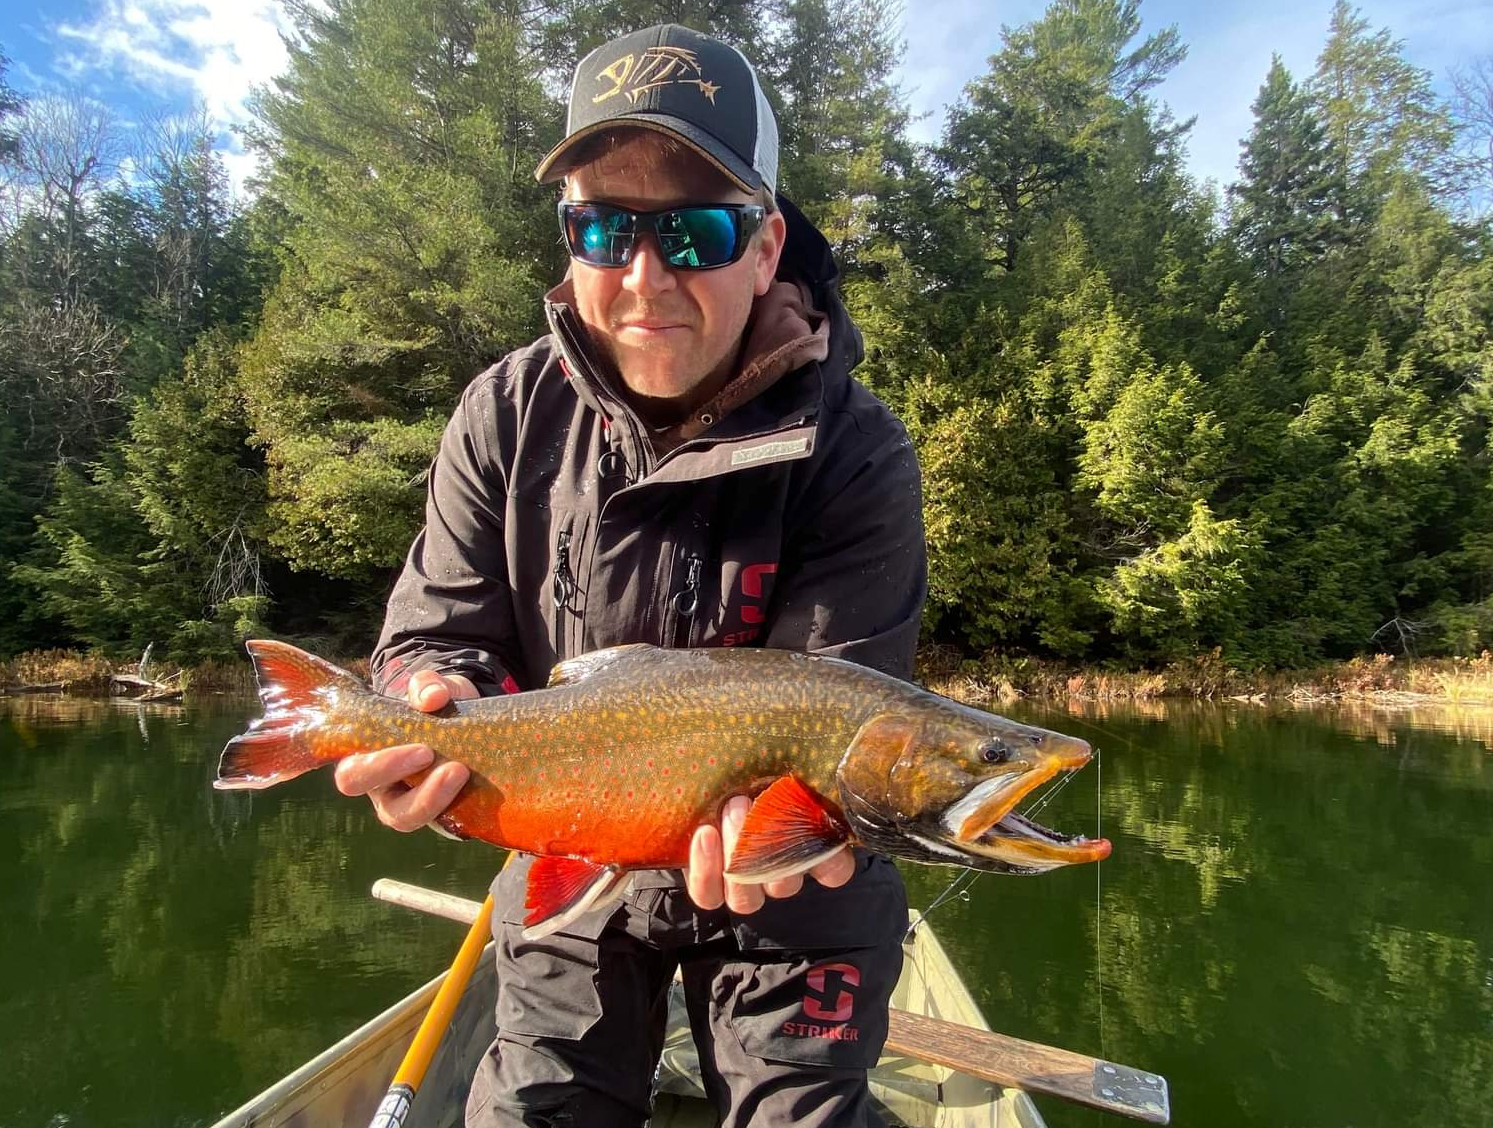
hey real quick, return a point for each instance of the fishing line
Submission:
(1047, 796)
(959, 887)
(1098, 887)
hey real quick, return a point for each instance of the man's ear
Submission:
(770, 238)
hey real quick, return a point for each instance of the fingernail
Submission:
(427, 694)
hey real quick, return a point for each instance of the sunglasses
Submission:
(700, 237)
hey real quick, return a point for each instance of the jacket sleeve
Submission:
(854, 571)
(452, 608)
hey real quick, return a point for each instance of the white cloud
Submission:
(210, 51)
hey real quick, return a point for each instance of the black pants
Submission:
(788, 1006)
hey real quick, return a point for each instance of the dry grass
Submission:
(86, 674)
(998, 678)
(75, 671)
(238, 677)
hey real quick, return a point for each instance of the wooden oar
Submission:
(397, 1102)
(998, 1058)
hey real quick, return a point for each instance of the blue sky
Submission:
(135, 54)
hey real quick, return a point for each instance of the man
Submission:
(684, 460)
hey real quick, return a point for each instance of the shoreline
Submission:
(992, 680)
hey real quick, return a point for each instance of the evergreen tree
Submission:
(1380, 113)
(415, 244)
(11, 104)
(1046, 113)
(843, 121)
(1282, 202)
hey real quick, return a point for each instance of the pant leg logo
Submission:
(830, 994)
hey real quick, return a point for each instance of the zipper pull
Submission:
(611, 462)
(564, 580)
(687, 601)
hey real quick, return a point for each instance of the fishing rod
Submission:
(400, 1098)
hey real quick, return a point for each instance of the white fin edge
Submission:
(787, 870)
(605, 890)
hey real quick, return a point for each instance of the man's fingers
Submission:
(413, 807)
(428, 691)
(740, 897)
(703, 880)
(361, 774)
(835, 870)
(784, 886)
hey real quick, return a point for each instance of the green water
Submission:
(1295, 928)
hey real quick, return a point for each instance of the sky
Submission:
(139, 55)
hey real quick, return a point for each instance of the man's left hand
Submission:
(710, 888)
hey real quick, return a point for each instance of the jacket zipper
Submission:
(563, 587)
(686, 601)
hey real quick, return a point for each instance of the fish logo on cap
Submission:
(658, 66)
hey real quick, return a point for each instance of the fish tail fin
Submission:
(295, 688)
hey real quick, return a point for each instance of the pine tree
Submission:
(1380, 113)
(11, 104)
(1044, 115)
(1282, 202)
(415, 243)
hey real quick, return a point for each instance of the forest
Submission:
(1156, 418)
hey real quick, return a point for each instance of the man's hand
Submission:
(380, 775)
(708, 886)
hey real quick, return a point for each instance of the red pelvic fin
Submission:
(297, 689)
(561, 889)
(787, 831)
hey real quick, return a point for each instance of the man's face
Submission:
(673, 335)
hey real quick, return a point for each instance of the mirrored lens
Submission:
(602, 236)
(697, 236)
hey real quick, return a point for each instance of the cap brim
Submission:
(748, 179)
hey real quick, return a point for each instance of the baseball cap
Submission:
(676, 81)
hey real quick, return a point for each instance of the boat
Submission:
(935, 1027)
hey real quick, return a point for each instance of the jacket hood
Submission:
(807, 259)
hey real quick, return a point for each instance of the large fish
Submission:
(614, 764)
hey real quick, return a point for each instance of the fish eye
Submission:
(994, 752)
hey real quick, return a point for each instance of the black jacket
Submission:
(553, 528)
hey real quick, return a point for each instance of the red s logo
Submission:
(751, 587)
(832, 1003)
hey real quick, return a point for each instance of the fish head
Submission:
(941, 783)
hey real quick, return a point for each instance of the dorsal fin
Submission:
(584, 666)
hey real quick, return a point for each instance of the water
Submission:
(1294, 928)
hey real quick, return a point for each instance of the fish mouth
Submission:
(985, 824)
(1017, 842)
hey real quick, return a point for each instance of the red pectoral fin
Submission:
(561, 889)
(787, 831)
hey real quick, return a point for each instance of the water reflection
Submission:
(1294, 925)
(171, 949)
